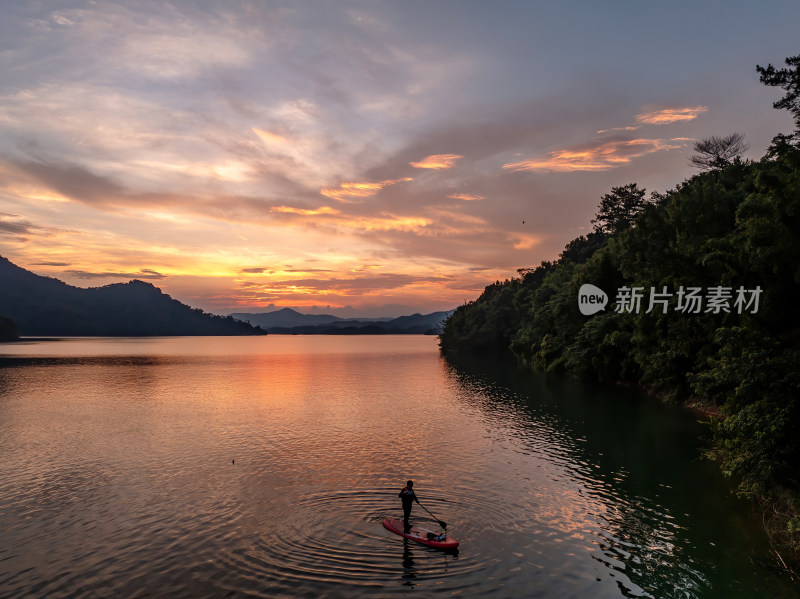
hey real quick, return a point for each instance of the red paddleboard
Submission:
(420, 535)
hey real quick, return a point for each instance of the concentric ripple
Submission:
(337, 538)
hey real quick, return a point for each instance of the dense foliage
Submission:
(735, 226)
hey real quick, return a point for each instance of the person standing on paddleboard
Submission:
(408, 498)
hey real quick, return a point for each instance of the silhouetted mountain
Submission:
(285, 317)
(419, 321)
(287, 322)
(49, 307)
(8, 330)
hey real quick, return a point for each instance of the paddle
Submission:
(442, 524)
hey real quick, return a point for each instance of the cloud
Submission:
(665, 116)
(349, 190)
(173, 55)
(145, 273)
(74, 182)
(628, 128)
(166, 43)
(467, 197)
(14, 225)
(601, 156)
(10, 223)
(81, 185)
(662, 116)
(270, 138)
(101, 192)
(282, 270)
(526, 242)
(341, 286)
(324, 210)
(437, 161)
(386, 222)
(448, 221)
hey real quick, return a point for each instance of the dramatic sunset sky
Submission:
(384, 157)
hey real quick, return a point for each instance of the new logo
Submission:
(591, 299)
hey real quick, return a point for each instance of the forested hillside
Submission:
(715, 264)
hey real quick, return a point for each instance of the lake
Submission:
(264, 467)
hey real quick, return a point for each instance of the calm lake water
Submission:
(264, 466)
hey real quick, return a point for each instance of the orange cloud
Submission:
(437, 161)
(448, 221)
(601, 157)
(628, 128)
(348, 190)
(335, 286)
(383, 221)
(467, 197)
(388, 222)
(670, 115)
(526, 242)
(270, 138)
(305, 212)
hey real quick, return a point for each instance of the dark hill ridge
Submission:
(285, 317)
(44, 306)
(288, 321)
(8, 329)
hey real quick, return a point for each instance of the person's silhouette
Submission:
(408, 497)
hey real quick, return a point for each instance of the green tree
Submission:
(718, 152)
(580, 249)
(618, 210)
(789, 80)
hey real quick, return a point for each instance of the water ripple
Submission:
(336, 538)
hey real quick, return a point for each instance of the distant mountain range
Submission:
(43, 306)
(47, 307)
(288, 321)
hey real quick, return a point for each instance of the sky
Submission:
(355, 158)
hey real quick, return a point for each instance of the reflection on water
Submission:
(264, 467)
